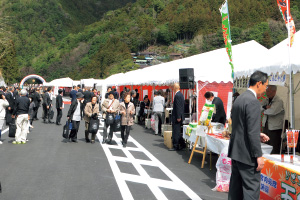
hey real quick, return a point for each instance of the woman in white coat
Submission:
(3, 104)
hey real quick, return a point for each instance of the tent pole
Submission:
(292, 114)
(197, 93)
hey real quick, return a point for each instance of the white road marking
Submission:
(154, 184)
(4, 131)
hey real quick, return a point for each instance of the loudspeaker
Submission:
(186, 78)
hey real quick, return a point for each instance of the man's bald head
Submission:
(176, 87)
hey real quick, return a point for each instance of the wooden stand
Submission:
(201, 152)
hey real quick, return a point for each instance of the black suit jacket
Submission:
(178, 107)
(87, 96)
(59, 101)
(46, 99)
(35, 98)
(244, 145)
(220, 115)
(10, 99)
(73, 107)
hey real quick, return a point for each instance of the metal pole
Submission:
(292, 114)
(197, 99)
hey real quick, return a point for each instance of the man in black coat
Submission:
(11, 100)
(220, 115)
(47, 105)
(79, 89)
(87, 96)
(36, 99)
(59, 106)
(177, 119)
(244, 146)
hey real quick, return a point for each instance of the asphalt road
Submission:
(49, 168)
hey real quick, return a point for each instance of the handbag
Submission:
(110, 116)
(66, 130)
(117, 127)
(93, 126)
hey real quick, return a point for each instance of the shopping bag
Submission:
(117, 127)
(153, 122)
(110, 118)
(93, 125)
(12, 130)
(66, 130)
(223, 166)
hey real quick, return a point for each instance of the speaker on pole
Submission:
(186, 78)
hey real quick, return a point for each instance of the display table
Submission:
(213, 142)
(280, 180)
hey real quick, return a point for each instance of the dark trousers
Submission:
(59, 115)
(177, 139)
(275, 138)
(244, 182)
(125, 130)
(35, 111)
(75, 128)
(45, 110)
(111, 131)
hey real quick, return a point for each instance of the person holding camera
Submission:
(91, 111)
(3, 105)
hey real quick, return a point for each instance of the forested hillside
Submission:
(59, 38)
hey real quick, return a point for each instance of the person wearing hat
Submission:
(110, 105)
(21, 113)
(75, 115)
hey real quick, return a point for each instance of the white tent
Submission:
(276, 60)
(115, 79)
(212, 66)
(62, 82)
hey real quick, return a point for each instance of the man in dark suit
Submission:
(87, 97)
(59, 106)
(47, 105)
(220, 115)
(9, 110)
(177, 119)
(73, 93)
(16, 93)
(245, 147)
(79, 89)
(36, 99)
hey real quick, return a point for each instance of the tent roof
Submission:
(62, 82)
(212, 66)
(276, 60)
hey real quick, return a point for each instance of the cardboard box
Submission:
(165, 127)
(168, 139)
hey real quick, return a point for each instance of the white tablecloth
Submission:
(286, 163)
(215, 145)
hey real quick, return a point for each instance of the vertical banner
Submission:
(284, 7)
(226, 33)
